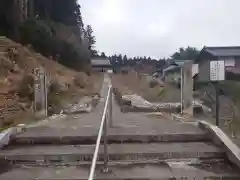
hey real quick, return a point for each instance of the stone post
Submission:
(40, 93)
(187, 88)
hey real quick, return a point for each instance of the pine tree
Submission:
(91, 39)
(125, 60)
(103, 54)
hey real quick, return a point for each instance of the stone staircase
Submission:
(139, 148)
(63, 154)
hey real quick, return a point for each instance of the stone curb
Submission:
(149, 109)
(85, 157)
(6, 136)
(112, 138)
(42, 122)
(220, 138)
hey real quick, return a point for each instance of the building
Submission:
(230, 55)
(172, 71)
(101, 64)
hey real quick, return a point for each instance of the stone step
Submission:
(151, 171)
(135, 152)
(118, 162)
(89, 136)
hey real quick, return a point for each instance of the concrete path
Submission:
(159, 171)
(139, 121)
(140, 147)
(83, 120)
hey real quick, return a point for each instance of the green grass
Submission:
(161, 92)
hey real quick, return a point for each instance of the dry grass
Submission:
(132, 84)
(20, 62)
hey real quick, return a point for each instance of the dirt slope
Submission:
(17, 62)
(132, 84)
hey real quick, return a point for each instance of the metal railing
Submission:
(103, 130)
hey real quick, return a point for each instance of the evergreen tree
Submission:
(189, 53)
(66, 12)
(119, 60)
(125, 60)
(91, 39)
(103, 54)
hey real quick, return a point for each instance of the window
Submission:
(230, 63)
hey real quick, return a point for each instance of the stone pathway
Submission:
(140, 147)
(120, 120)
(76, 121)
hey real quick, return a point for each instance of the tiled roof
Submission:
(224, 51)
(100, 61)
(171, 68)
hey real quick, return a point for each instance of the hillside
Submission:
(16, 67)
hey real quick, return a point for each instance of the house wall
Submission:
(232, 64)
(229, 61)
(237, 65)
(204, 70)
(203, 62)
(236, 68)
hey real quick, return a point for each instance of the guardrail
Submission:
(103, 130)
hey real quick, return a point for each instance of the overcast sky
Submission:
(157, 28)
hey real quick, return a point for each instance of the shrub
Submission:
(55, 88)
(78, 81)
(54, 97)
(161, 92)
(25, 89)
(54, 100)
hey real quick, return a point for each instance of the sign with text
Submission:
(217, 70)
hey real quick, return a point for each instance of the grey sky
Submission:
(157, 28)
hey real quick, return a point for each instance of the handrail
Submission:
(103, 126)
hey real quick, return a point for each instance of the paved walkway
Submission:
(121, 121)
(43, 158)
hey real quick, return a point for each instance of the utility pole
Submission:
(217, 102)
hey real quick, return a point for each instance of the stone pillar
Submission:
(40, 93)
(187, 88)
